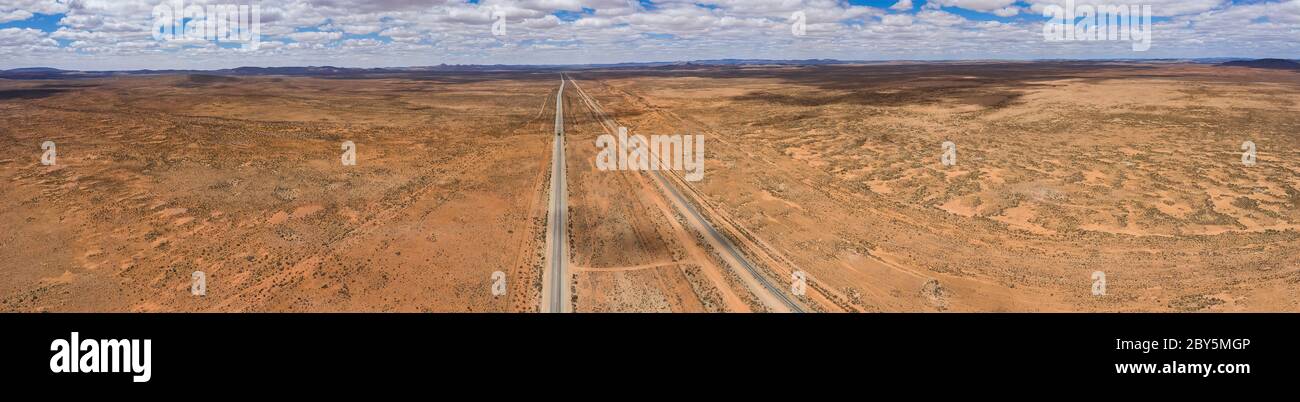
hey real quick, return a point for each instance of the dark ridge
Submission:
(29, 93)
(1275, 64)
(34, 70)
(204, 79)
(34, 73)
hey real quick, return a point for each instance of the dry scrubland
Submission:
(1063, 169)
(158, 177)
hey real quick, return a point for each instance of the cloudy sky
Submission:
(118, 34)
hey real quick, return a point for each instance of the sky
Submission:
(119, 34)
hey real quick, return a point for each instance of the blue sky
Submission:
(116, 34)
(44, 22)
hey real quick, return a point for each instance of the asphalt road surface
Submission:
(555, 282)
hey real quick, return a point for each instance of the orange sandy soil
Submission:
(158, 177)
(1063, 169)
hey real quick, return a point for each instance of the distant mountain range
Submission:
(45, 72)
(1277, 64)
(54, 73)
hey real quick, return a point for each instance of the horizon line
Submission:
(756, 60)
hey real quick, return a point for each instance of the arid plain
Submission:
(1062, 170)
(242, 178)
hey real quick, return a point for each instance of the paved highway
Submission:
(555, 282)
